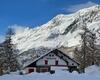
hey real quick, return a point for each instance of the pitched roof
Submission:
(47, 54)
(25, 65)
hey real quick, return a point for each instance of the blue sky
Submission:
(36, 12)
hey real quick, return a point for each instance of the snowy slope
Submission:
(92, 73)
(62, 30)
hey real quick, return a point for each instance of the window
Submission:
(56, 62)
(52, 55)
(46, 62)
(72, 64)
(61, 56)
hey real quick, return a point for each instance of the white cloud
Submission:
(18, 29)
(2, 38)
(74, 8)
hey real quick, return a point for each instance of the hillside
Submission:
(62, 30)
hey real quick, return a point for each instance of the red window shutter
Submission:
(56, 62)
(46, 62)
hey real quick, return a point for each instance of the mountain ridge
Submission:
(62, 30)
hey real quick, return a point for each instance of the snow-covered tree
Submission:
(11, 52)
(86, 53)
(2, 58)
(8, 54)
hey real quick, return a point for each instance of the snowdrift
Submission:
(92, 73)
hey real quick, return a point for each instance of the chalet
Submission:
(54, 59)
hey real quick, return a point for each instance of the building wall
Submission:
(59, 68)
(70, 62)
(51, 58)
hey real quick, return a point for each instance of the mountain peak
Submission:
(62, 30)
(93, 8)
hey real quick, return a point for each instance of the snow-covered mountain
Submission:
(62, 30)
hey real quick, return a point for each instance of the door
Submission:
(31, 70)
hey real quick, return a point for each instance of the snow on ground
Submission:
(93, 70)
(92, 73)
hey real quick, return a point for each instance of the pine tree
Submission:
(86, 54)
(11, 63)
(2, 58)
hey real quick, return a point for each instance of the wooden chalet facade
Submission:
(55, 59)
